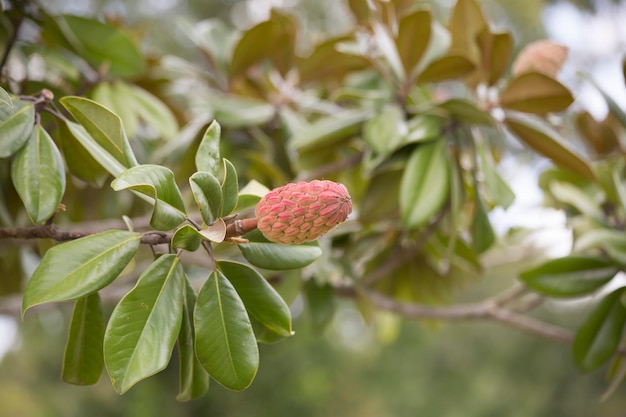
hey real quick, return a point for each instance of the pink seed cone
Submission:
(300, 212)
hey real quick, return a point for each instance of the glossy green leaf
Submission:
(158, 183)
(80, 267)
(483, 235)
(275, 256)
(570, 276)
(194, 380)
(264, 334)
(97, 152)
(225, 343)
(116, 97)
(145, 324)
(5, 98)
(103, 126)
(101, 44)
(186, 237)
(260, 298)
(537, 93)
(425, 184)
(599, 336)
(230, 188)
(38, 175)
(446, 68)
(79, 161)
(548, 143)
(83, 360)
(208, 153)
(207, 192)
(16, 126)
(413, 38)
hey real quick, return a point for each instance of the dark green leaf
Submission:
(187, 237)
(498, 190)
(425, 184)
(225, 343)
(101, 44)
(483, 235)
(103, 126)
(97, 152)
(446, 68)
(259, 297)
(38, 175)
(145, 324)
(230, 188)
(158, 183)
(83, 360)
(16, 126)
(208, 153)
(79, 161)
(207, 192)
(194, 380)
(571, 276)
(78, 268)
(259, 252)
(599, 336)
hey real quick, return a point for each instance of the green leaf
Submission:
(537, 93)
(446, 68)
(145, 324)
(425, 184)
(100, 44)
(80, 267)
(103, 126)
(326, 62)
(599, 336)
(260, 298)
(5, 98)
(413, 38)
(570, 276)
(16, 126)
(496, 49)
(328, 130)
(151, 110)
(466, 22)
(97, 152)
(79, 161)
(498, 190)
(467, 111)
(569, 194)
(259, 252)
(207, 192)
(83, 360)
(386, 46)
(483, 235)
(38, 175)
(225, 343)
(230, 188)
(548, 143)
(157, 182)
(187, 237)
(236, 111)
(384, 132)
(208, 153)
(194, 380)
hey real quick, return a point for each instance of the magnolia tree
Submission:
(138, 183)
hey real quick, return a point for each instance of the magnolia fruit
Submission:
(303, 211)
(542, 56)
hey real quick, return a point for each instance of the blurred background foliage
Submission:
(391, 369)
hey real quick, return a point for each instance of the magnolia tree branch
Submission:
(505, 308)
